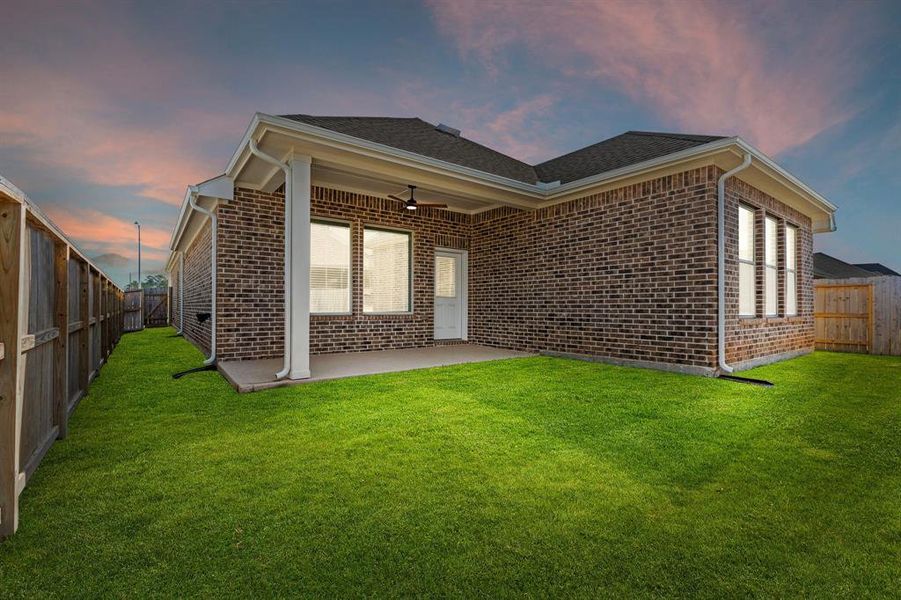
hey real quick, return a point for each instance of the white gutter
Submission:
(721, 261)
(192, 198)
(286, 362)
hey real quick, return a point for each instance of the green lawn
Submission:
(532, 477)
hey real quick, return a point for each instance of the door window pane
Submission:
(445, 277)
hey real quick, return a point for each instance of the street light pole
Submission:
(140, 285)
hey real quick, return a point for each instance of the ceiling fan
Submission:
(412, 204)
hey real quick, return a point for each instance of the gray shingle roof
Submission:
(421, 137)
(623, 150)
(416, 135)
(877, 268)
(829, 267)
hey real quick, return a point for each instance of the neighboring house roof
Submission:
(877, 268)
(421, 137)
(829, 267)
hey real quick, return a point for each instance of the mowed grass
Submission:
(526, 477)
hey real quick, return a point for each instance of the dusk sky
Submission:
(108, 110)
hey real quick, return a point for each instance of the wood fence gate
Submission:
(156, 312)
(146, 308)
(134, 310)
(843, 314)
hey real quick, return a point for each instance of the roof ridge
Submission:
(382, 118)
(689, 137)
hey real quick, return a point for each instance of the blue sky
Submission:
(108, 110)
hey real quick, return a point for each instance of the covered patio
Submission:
(254, 375)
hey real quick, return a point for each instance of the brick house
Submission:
(610, 252)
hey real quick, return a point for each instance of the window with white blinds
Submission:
(746, 266)
(772, 266)
(386, 271)
(329, 268)
(791, 271)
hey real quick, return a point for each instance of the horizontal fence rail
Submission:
(60, 317)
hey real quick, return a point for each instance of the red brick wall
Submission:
(753, 338)
(627, 274)
(250, 288)
(198, 288)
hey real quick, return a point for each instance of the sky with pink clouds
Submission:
(108, 110)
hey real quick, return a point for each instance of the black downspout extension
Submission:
(760, 382)
(201, 318)
(211, 367)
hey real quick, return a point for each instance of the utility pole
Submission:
(140, 285)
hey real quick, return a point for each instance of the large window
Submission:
(386, 271)
(329, 268)
(746, 266)
(771, 280)
(791, 271)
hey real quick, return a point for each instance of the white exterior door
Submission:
(449, 295)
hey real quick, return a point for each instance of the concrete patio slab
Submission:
(253, 375)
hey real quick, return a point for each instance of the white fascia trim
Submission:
(170, 261)
(802, 187)
(539, 191)
(221, 187)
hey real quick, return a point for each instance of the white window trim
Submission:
(350, 267)
(793, 271)
(751, 262)
(774, 267)
(410, 273)
(464, 281)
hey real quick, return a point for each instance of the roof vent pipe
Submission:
(721, 261)
(213, 224)
(286, 364)
(448, 130)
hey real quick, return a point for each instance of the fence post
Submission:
(98, 323)
(61, 360)
(84, 357)
(12, 238)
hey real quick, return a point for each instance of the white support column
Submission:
(301, 182)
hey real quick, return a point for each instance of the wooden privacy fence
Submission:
(60, 317)
(861, 314)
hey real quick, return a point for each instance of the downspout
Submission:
(286, 361)
(181, 293)
(721, 261)
(212, 215)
